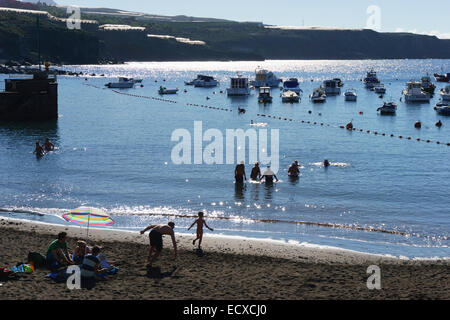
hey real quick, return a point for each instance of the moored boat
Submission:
(443, 109)
(442, 77)
(427, 85)
(164, 90)
(123, 83)
(238, 87)
(203, 81)
(388, 108)
(331, 87)
(414, 93)
(292, 85)
(318, 96)
(380, 89)
(290, 96)
(350, 95)
(264, 95)
(445, 93)
(265, 78)
(371, 79)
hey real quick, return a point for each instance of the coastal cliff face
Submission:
(167, 40)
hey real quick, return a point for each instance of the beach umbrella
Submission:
(88, 216)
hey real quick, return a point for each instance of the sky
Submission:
(417, 16)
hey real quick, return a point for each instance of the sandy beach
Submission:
(230, 269)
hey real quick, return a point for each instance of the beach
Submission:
(231, 268)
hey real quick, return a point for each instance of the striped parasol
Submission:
(88, 216)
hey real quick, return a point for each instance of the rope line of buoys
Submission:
(349, 126)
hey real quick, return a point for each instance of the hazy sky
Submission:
(417, 16)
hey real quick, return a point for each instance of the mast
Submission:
(38, 41)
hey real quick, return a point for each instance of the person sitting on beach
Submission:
(239, 173)
(200, 222)
(80, 251)
(156, 241)
(256, 172)
(90, 269)
(48, 145)
(39, 151)
(57, 252)
(269, 175)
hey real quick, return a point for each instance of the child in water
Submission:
(200, 222)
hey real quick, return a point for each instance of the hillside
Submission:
(115, 35)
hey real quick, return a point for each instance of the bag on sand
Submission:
(6, 274)
(38, 259)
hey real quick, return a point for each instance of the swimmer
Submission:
(39, 151)
(269, 175)
(256, 172)
(48, 146)
(293, 169)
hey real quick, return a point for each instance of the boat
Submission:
(123, 83)
(264, 95)
(164, 90)
(443, 109)
(350, 95)
(388, 108)
(136, 80)
(380, 89)
(290, 96)
(427, 85)
(442, 77)
(414, 93)
(265, 78)
(445, 93)
(238, 86)
(331, 87)
(371, 79)
(203, 82)
(292, 85)
(318, 95)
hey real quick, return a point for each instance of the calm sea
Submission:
(114, 152)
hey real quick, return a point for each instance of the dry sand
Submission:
(230, 269)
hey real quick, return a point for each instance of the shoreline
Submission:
(232, 269)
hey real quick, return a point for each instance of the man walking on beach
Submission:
(156, 241)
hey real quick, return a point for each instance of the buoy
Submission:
(439, 124)
(309, 111)
(320, 113)
(360, 112)
(418, 125)
(375, 132)
(349, 126)
(400, 137)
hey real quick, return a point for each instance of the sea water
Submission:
(113, 151)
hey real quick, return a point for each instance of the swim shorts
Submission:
(156, 239)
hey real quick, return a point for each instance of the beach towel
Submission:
(59, 276)
(23, 268)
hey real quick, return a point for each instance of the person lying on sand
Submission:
(200, 222)
(156, 241)
(57, 252)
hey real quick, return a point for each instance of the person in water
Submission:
(200, 223)
(269, 175)
(39, 151)
(156, 240)
(48, 146)
(326, 163)
(256, 172)
(293, 169)
(239, 173)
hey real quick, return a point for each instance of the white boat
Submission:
(331, 87)
(264, 95)
(292, 85)
(290, 96)
(238, 87)
(371, 79)
(123, 83)
(350, 95)
(445, 93)
(265, 78)
(318, 96)
(136, 80)
(163, 90)
(380, 88)
(414, 93)
(203, 82)
(443, 109)
(388, 108)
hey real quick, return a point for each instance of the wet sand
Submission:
(230, 269)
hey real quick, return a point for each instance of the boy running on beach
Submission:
(200, 222)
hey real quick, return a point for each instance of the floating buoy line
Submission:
(347, 127)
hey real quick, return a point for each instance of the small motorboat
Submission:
(339, 82)
(292, 85)
(164, 90)
(238, 86)
(388, 108)
(350, 95)
(443, 109)
(445, 93)
(427, 85)
(380, 89)
(414, 93)
(264, 95)
(123, 83)
(318, 96)
(442, 77)
(203, 81)
(290, 96)
(371, 79)
(331, 87)
(265, 78)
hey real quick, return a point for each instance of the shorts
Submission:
(156, 240)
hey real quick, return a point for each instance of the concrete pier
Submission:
(33, 98)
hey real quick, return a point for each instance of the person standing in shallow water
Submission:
(256, 172)
(239, 173)
(156, 240)
(269, 175)
(39, 151)
(200, 223)
(48, 145)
